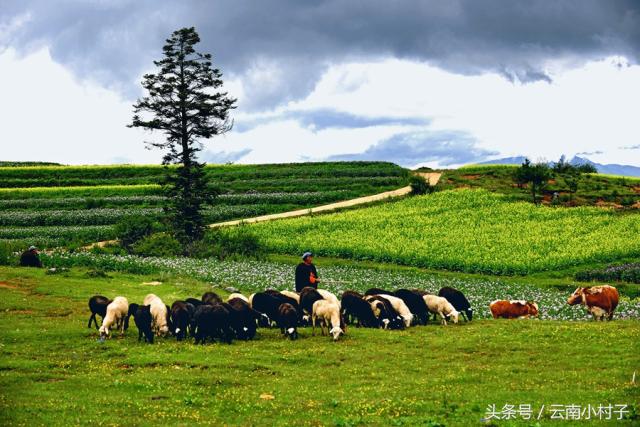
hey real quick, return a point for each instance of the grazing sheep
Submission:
(295, 302)
(181, 313)
(117, 310)
(98, 306)
(327, 313)
(194, 302)
(401, 308)
(416, 305)
(308, 296)
(237, 295)
(211, 298)
(442, 307)
(142, 318)
(248, 317)
(159, 313)
(388, 317)
(329, 296)
(377, 291)
(267, 304)
(458, 301)
(288, 320)
(133, 307)
(291, 294)
(354, 306)
(214, 322)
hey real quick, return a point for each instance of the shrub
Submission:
(236, 242)
(132, 229)
(158, 245)
(419, 185)
(7, 255)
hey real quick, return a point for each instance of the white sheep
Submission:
(251, 300)
(400, 306)
(159, 314)
(327, 313)
(329, 297)
(442, 307)
(117, 311)
(291, 294)
(237, 295)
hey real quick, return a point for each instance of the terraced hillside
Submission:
(55, 205)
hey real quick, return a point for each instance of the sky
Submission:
(435, 83)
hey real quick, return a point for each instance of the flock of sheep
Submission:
(211, 318)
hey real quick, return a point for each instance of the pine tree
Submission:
(184, 103)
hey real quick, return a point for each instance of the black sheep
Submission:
(458, 301)
(194, 301)
(388, 316)
(133, 307)
(214, 322)
(181, 313)
(415, 303)
(248, 317)
(142, 318)
(355, 307)
(98, 306)
(308, 296)
(378, 291)
(267, 304)
(288, 320)
(286, 299)
(211, 298)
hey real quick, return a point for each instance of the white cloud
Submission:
(47, 115)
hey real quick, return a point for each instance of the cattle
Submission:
(600, 301)
(458, 301)
(513, 309)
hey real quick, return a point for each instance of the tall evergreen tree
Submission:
(184, 103)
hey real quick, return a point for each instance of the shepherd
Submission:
(306, 273)
(30, 258)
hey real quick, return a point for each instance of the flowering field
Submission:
(462, 230)
(252, 276)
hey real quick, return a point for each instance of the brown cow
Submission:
(513, 309)
(600, 301)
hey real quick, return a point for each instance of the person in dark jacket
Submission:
(30, 258)
(306, 273)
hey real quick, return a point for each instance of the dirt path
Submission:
(324, 208)
(432, 177)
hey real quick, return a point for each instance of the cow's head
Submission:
(533, 308)
(576, 297)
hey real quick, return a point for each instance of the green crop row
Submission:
(464, 230)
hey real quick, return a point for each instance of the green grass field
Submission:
(54, 371)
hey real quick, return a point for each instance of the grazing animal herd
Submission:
(210, 318)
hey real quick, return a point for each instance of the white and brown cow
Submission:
(601, 301)
(513, 309)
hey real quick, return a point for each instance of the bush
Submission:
(7, 255)
(419, 185)
(236, 242)
(132, 229)
(158, 245)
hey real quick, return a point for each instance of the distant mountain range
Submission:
(612, 169)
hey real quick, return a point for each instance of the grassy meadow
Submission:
(54, 371)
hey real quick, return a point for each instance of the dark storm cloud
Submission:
(409, 149)
(290, 43)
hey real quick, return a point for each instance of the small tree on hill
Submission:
(183, 102)
(536, 175)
